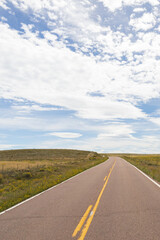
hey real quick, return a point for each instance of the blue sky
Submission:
(80, 74)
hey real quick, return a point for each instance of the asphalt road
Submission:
(110, 201)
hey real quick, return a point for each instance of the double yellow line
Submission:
(92, 213)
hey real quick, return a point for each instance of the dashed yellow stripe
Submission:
(105, 178)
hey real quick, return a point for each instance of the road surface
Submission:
(110, 201)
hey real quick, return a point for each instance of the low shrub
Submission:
(27, 175)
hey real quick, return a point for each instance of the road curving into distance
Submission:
(110, 201)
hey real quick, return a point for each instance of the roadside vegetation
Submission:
(149, 164)
(24, 173)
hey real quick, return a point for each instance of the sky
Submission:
(80, 74)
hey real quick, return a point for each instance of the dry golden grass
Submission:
(21, 165)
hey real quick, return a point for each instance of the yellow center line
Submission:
(79, 226)
(86, 227)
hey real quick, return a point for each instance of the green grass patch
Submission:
(24, 173)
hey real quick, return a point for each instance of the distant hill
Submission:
(45, 154)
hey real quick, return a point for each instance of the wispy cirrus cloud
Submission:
(65, 134)
(34, 107)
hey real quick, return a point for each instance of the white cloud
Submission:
(49, 73)
(116, 4)
(64, 13)
(106, 109)
(66, 134)
(58, 76)
(3, 19)
(34, 107)
(3, 4)
(112, 5)
(139, 10)
(155, 120)
(116, 130)
(146, 22)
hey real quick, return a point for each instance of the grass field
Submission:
(149, 164)
(24, 173)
